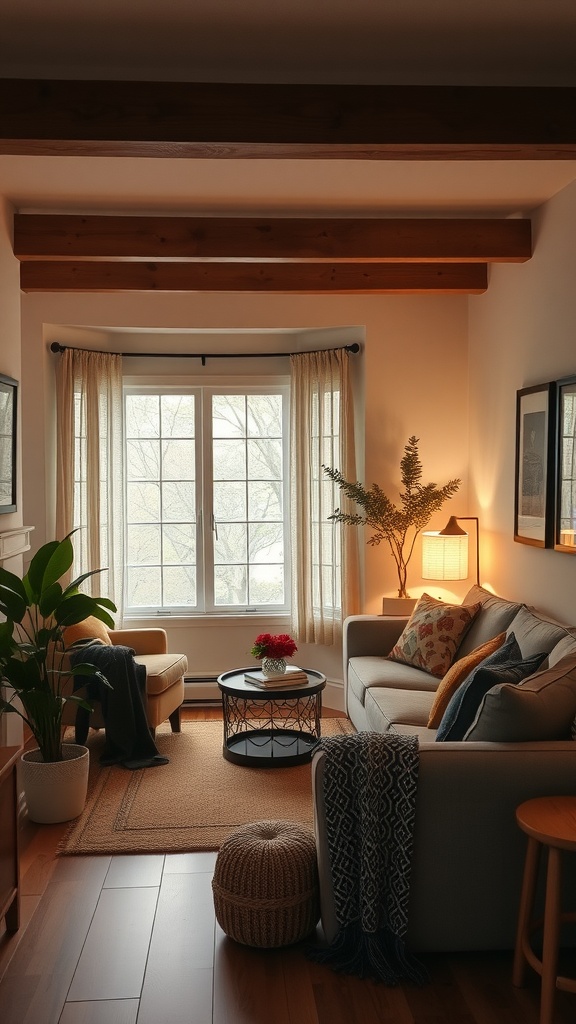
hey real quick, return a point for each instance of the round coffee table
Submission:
(274, 727)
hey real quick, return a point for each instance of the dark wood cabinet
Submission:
(9, 869)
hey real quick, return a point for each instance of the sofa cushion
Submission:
(372, 670)
(433, 634)
(90, 628)
(504, 666)
(456, 675)
(494, 617)
(541, 707)
(162, 670)
(387, 707)
(424, 734)
(535, 632)
(563, 648)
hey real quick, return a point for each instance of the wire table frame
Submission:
(270, 728)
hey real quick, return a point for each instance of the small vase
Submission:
(273, 666)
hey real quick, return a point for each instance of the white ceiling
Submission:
(280, 187)
(443, 42)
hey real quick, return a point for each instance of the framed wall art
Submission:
(8, 420)
(565, 517)
(535, 456)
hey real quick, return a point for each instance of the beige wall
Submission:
(10, 336)
(10, 728)
(415, 380)
(522, 332)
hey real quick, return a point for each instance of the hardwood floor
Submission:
(133, 940)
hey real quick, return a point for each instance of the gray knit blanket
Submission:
(370, 784)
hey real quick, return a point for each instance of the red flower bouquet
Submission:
(268, 646)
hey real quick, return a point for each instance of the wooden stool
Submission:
(550, 822)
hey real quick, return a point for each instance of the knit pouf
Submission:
(265, 884)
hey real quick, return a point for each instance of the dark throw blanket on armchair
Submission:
(370, 783)
(129, 741)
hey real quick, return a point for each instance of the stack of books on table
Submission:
(293, 676)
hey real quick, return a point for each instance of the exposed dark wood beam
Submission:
(179, 119)
(59, 237)
(353, 278)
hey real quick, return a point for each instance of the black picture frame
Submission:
(534, 469)
(565, 482)
(8, 439)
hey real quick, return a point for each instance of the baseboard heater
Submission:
(201, 689)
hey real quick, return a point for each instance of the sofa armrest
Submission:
(468, 850)
(143, 641)
(371, 635)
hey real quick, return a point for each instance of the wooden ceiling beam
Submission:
(344, 278)
(291, 239)
(226, 120)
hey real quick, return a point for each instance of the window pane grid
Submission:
(326, 546)
(160, 500)
(241, 451)
(248, 501)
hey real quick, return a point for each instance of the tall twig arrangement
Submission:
(398, 526)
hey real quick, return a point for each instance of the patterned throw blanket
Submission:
(370, 783)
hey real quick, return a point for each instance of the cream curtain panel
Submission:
(90, 466)
(325, 573)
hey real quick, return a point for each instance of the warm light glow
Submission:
(444, 556)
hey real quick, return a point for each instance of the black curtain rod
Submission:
(57, 347)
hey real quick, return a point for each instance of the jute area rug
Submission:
(192, 803)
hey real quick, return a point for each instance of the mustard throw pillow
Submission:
(89, 629)
(433, 634)
(456, 674)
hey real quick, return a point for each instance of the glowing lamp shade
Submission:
(445, 552)
(444, 557)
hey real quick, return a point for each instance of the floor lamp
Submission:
(445, 552)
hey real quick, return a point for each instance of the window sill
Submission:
(201, 621)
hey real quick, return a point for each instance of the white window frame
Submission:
(203, 391)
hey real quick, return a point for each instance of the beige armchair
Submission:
(164, 677)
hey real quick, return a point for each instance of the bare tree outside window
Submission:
(235, 474)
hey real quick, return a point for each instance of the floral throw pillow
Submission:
(433, 634)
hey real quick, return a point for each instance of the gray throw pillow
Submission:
(504, 666)
(542, 707)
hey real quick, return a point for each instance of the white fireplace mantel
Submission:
(14, 542)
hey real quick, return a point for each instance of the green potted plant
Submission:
(398, 526)
(34, 663)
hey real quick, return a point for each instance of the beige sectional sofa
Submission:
(468, 851)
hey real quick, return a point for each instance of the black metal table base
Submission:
(270, 730)
(270, 747)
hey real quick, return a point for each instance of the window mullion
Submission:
(207, 500)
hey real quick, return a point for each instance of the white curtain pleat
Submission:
(65, 446)
(325, 564)
(90, 474)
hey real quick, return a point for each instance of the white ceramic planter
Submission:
(55, 791)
